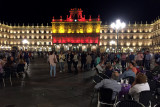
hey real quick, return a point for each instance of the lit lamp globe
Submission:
(118, 25)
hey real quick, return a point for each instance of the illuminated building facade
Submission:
(76, 32)
(80, 34)
(134, 37)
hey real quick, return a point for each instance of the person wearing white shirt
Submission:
(100, 67)
(140, 84)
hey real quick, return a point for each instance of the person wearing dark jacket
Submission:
(83, 60)
(69, 61)
(109, 70)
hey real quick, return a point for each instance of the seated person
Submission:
(116, 65)
(109, 70)
(110, 83)
(131, 66)
(156, 69)
(100, 67)
(127, 73)
(140, 84)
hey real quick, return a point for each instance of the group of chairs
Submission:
(154, 86)
(99, 76)
(105, 98)
(9, 72)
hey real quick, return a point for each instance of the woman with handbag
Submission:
(52, 61)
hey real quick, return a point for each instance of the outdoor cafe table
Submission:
(124, 90)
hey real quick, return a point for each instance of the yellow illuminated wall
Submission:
(76, 27)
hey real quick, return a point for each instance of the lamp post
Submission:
(118, 25)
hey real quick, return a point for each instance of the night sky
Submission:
(42, 11)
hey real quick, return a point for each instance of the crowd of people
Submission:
(15, 62)
(137, 70)
(112, 67)
(89, 60)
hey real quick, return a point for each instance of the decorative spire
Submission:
(98, 17)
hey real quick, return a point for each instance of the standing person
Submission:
(69, 61)
(20, 55)
(26, 57)
(147, 60)
(118, 56)
(93, 59)
(98, 59)
(112, 56)
(139, 59)
(123, 61)
(61, 61)
(52, 61)
(83, 60)
(131, 57)
(30, 55)
(75, 62)
(89, 60)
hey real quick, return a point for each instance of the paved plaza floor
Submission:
(38, 89)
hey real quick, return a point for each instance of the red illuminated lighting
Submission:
(75, 40)
(75, 14)
(91, 39)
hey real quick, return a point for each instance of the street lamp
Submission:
(118, 25)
